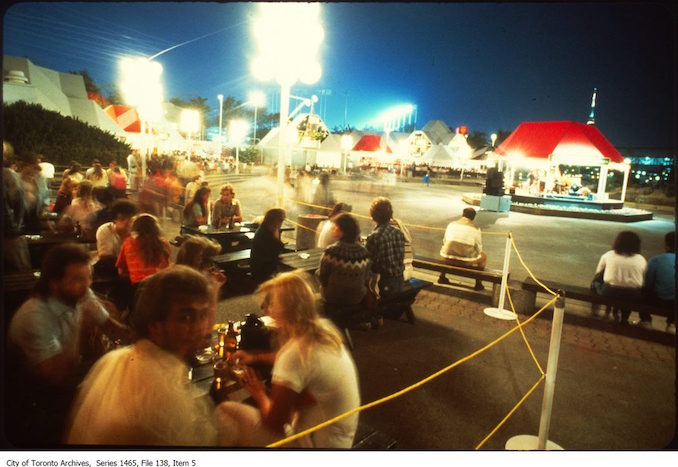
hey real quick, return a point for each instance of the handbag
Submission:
(596, 281)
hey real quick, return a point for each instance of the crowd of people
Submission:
(160, 313)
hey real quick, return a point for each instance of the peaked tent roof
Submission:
(371, 143)
(562, 139)
(438, 156)
(437, 131)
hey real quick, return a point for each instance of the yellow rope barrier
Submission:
(411, 387)
(511, 412)
(299, 225)
(527, 343)
(520, 258)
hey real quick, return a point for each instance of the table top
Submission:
(307, 260)
(212, 231)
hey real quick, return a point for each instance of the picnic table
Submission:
(306, 260)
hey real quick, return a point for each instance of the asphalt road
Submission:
(560, 249)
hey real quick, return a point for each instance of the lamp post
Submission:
(257, 99)
(141, 87)
(346, 145)
(237, 130)
(288, 37)
(221, 111)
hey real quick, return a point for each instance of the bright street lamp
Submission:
(288, 37)
(237, 130)
(189, 121)
(221, 110)
(493, 137)
(141, 88)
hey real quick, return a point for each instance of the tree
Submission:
(90, 84)
(477, 139)
(113, 94)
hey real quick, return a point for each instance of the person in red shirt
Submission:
(145, 251)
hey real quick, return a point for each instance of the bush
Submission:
(31, 128)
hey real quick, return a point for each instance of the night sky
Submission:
(487, 66)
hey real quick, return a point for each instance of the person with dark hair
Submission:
(111, 235)
(103, 196)
(344, 271)
(141, 394)
(197, 210)
(266, 246)
(660, 283)
(191, 187)
(463, 246)
(386, 245)
(145, 252)
(325, 233)
(45, 333)
(622, 270)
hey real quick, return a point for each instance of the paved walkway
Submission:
(614, 390)
(615, 387)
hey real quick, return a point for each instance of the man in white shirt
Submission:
(111, 235)
(45, 341)
(141, 394)
(463, 246)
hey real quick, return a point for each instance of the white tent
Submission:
(437, 156)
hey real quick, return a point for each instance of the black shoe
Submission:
(443, 280)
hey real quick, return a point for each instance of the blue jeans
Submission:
(622, 293)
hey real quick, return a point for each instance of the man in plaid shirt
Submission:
(386, 245)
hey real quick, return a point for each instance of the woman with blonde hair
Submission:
(314, 378)
(145, 251)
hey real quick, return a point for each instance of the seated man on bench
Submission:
(463, 246)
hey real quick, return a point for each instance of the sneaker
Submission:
(671, 328)
(443, 280)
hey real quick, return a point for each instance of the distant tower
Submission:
(592, 115)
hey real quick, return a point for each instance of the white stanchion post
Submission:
(529, 442)
(500, 312)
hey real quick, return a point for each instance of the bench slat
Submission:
(436, 264)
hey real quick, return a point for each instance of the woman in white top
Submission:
(314, 378)
(324, 234)
(623, 269)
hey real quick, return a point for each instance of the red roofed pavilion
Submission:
(546, 145)
(372, 143)
(566, 142)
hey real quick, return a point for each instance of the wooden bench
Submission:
(437, 264)
(584, 294)
(394, 305)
